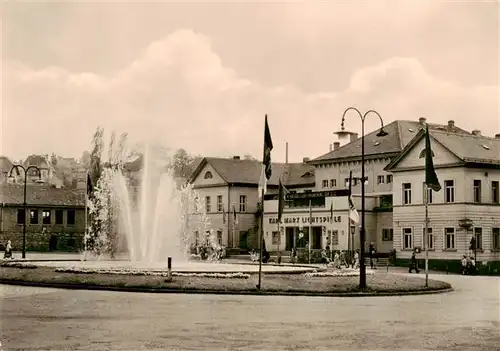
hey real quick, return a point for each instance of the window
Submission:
(478, 234)
(449, 193)
(243, 203)
(380, 179)
(208, 207)
(208, 175)
(495, 198)
(21, 216)
(449, 238)
(387, 234)
(429, 194)
(407, 239)
(406, 193)
(430, 238)
(346, 181)
(219, 203)
(33, 216)
(59, 216)
(219, 237)
(325, 183)
(46, 216)
(333, 183)
(71, 217)
(477, 190)
(335, 237)
(276, 238)
(495, 240)
(389, 178)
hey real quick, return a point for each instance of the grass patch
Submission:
(276, 283)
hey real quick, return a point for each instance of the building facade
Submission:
(468, 205)
(55, 218)
(228, 188)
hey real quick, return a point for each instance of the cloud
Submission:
(179, 92)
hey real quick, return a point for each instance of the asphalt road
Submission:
(50, 319)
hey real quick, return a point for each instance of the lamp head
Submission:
(382, 132)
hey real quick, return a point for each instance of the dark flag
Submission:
(281, 200)
(431, 178)
(331, 211)
(224, 215)
(234, 215)
(90, 187)
(268, 146)
(266, 160)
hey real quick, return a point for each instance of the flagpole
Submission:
(310, 229)
(85, 233)
(261, 239)
(426, 234)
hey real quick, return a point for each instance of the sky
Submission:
(202, 75)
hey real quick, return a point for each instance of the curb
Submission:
(222, 292)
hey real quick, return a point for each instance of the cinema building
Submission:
(467, 165)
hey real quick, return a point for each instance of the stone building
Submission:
(468, 205)
(55, 218)
(229, 189)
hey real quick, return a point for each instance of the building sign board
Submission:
(306, 219)
(317, 194)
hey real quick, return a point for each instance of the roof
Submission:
(468, 148)
(5, 164)
(248, 171)
(41, 195)
(36, 160)
(400, 133)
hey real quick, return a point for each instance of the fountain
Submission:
(155, 221)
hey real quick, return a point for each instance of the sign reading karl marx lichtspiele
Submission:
(306, 219)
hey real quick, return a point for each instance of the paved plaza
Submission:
(51, 319)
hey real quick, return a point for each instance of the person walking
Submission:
(8, 250)
(414, 263)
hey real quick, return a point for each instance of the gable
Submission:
(413, 159)
(208, 176)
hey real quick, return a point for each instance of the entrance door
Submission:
(243, 239)
(289, 238)
(53, 243)
(317, 235)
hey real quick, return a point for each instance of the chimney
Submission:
(305, 159)
(497, 136)
(336, 145)
(236, 157)
(286, 152)
(422, 120)
(476, 132)
(354, 136)
(451, 123)
(331, 147)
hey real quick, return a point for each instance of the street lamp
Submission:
(25, 170)
(363, 179)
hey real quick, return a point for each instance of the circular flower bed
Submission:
(152, 273)
(344, 272)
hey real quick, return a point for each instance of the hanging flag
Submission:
(266, 159)
(223, 215)
(281, 200)
(331, 211)
(234, 214)
(353, 213)
(431, 178)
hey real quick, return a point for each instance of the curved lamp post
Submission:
(25, 170)
(381, 133)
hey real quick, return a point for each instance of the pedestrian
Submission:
(464, 265)
(356, 260)
(8, 250)
(413, 263)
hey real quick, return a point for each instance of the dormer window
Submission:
(208, 175)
